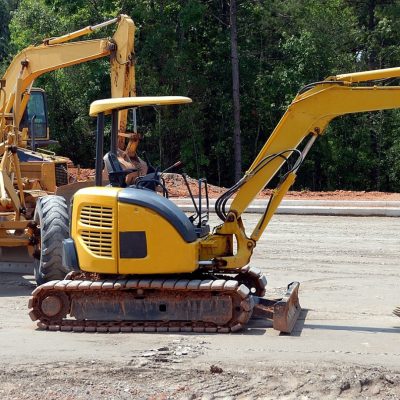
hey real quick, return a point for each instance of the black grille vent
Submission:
(61, 174)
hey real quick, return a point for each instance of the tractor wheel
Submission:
(51, 214)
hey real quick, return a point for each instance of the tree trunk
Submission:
(235, 93)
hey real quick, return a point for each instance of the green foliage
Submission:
(31, 23)
(4, 32)
(71, 90)
(183, 48)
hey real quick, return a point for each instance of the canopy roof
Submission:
(107, 105)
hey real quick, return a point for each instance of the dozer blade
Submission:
(16, 260)
(283, 312)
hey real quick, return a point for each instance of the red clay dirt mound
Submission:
(177, 188)
(81, 174)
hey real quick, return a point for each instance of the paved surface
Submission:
(316, 207)
(349, 272)
(18, 260)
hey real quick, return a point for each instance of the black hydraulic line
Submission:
(190, 193)
(220, 204)
(312, 85)
(207, 199)
(296, 165)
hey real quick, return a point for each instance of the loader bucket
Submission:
(283, 312)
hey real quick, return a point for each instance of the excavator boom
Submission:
(310, 114)
(306, 119)
(54, 54)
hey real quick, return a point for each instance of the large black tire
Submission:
(51, 214)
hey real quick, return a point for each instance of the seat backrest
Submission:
(114, 170)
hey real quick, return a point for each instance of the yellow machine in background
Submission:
(29, 174)
(141, 264)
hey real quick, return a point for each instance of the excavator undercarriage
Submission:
(200, 303)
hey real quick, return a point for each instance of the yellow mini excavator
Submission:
(138, 263)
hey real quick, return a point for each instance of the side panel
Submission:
(43, 171)
(94, 229)
(149, 244)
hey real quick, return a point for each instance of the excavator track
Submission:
(142, 305)
(251, 277)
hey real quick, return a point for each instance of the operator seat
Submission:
(115, 172)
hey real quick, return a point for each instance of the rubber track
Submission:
(239, 293)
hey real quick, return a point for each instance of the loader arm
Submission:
(52, 54)
(55, 53)
(307, 117)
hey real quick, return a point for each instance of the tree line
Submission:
(184, 48)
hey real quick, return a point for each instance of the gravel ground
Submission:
(159, 380)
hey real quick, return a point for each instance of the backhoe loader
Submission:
(138, 263)
(29, 175)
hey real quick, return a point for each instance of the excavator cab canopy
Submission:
(112, 106)
(106, 106)
(35, 116)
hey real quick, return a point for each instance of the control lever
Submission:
(154, 178)
(150, 167)
(176, 165)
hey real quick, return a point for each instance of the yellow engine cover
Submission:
(131, 231)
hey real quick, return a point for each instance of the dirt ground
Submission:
(345, 344)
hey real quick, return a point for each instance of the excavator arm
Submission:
(55, 53)
(305, 119)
